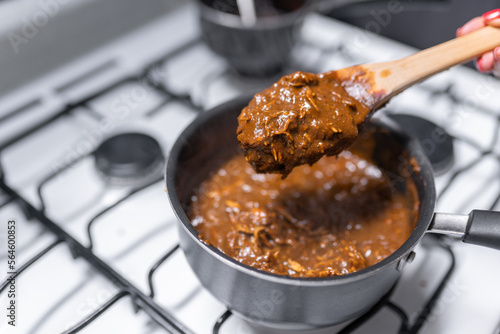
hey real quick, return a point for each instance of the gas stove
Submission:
(81, 155)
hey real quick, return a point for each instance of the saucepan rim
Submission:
(427, 202)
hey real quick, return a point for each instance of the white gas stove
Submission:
(119, 262)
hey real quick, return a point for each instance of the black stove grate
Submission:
(151, 76)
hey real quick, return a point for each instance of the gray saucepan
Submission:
(289, 302)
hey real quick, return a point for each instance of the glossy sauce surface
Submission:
(335, 217)
(299, 119)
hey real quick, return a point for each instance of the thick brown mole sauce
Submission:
(296, 121)
(336, 217)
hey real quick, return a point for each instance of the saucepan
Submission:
(257, 42)
(290, 302)
(257, 36)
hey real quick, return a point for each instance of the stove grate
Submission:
(131, 193)
(141, 301)
(152, 76)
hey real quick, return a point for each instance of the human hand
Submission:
(490, 61)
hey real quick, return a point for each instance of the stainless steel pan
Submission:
(288, 302)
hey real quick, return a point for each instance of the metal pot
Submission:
(299, 303)
(259, 48)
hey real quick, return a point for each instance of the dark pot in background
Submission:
(257, 50)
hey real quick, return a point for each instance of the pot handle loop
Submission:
(483, 229)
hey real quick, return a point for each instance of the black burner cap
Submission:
(437, 144)
(128, 156)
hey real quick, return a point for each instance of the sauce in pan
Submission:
(335, 217)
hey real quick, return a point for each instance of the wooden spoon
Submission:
(305, 116)
(375, 84)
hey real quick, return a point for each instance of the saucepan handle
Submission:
(479, 227)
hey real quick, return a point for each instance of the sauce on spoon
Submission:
(297, 120)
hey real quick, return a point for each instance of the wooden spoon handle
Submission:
(421, 65)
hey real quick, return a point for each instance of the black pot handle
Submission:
(479, 227)
(483, 229)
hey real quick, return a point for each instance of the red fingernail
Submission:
(496, 54)
(491, 15)
(479, 64)
(459, 31)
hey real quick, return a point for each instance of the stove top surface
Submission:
(121, 255)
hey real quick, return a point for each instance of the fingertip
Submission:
(496, 54)
(485, 63)
(477, 63)
(474, 24)
(491, 15)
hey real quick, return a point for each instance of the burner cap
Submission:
(437, 144)
(129, 157)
